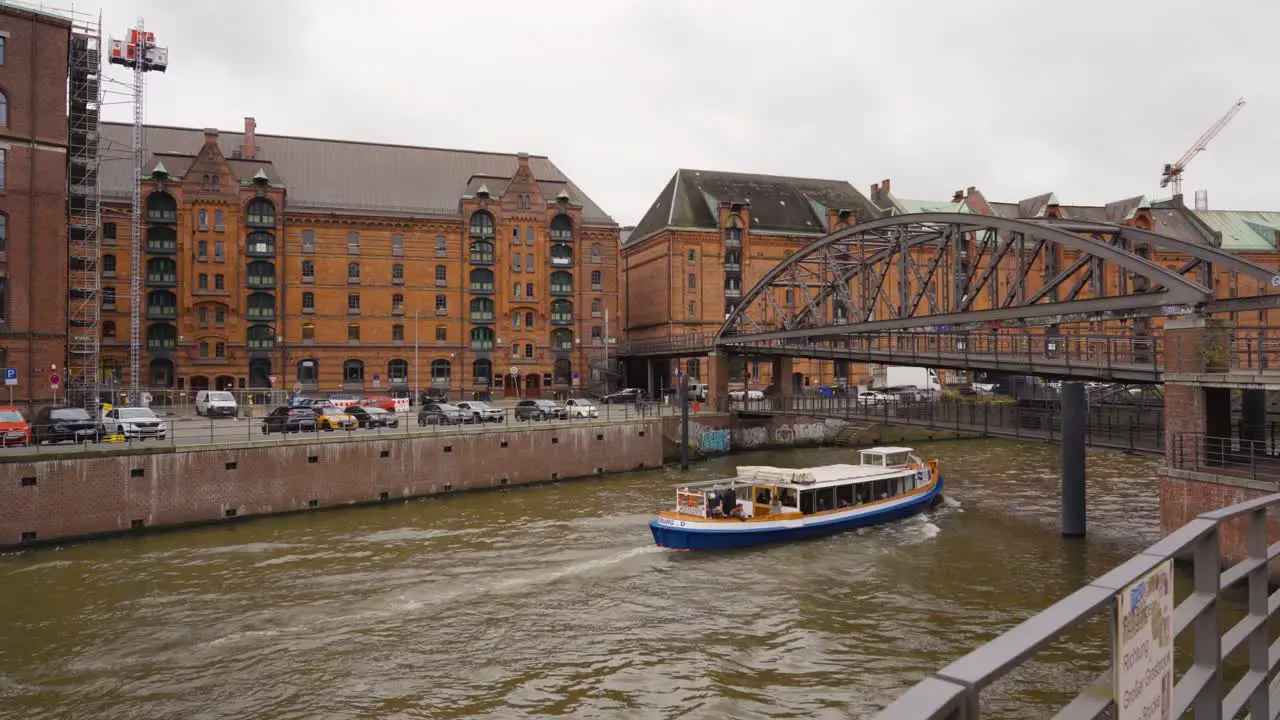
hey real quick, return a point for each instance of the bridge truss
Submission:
(952, 272)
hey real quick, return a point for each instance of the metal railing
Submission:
(696, 342)
(955, 692)
(1249, 459)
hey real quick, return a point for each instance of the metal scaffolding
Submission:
(84, 207)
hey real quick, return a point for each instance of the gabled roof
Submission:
(341, 175)
(1243, 230)
(778, 204)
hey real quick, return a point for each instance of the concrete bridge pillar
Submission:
(717, 378)
(782, 369)
(1075, 421)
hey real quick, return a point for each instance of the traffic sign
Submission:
(11, 376)
(53, 379)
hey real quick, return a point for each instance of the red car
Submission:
(14, 429)
(381, 401)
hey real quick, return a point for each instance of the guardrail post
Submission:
(1207, 653)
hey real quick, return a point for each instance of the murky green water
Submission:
(552, 601)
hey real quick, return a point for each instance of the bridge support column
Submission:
(717, 377)
(648, 378)
(782, 369)
(1075, 420)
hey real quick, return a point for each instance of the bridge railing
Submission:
(696, 342)
(1248, 459)
(955, 692)
(1247, 349)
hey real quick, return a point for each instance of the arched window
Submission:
(441, 369)
(595, 253)
(261, 274)
(262, 306)
(397, 304)
(162, 271)
(442, 276)
(162, 239)
(561, 229)
(561, 255)
(161, 207)
(693, 256)
(561, 311)
(561, 282)
(481, 252)
(596, 307)
(260, 337)
(482, 309)
(398, 371)
(482, 371)
(353, 272)
(561, 372)
(162, 305)
(562, 339)
(353, 372)
(260, 213)
(308, 371)
(109, 329)
(162, 336)
(595, 279)
(481, 225)
(733, 233)
(481, 280)
(596, 336)
(481, 338)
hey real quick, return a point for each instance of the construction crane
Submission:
(1173, 173)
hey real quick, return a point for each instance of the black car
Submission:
(373, 417)
(55, 424)
(540, 410)
(289, 419)
(630, 395)
(434, 395)
(439, 413)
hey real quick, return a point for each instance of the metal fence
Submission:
(1250, 459)
(190, 432)
(955, 692)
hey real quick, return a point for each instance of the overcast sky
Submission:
(1087, 98)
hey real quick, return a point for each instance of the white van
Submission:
(216, 403)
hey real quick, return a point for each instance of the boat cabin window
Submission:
(880, 458)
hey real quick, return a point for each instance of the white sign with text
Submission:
(1144, 647)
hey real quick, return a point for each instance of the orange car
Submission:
(14, 429)
(381, 401)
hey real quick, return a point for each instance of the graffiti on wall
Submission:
(714, 441)
(754, 436)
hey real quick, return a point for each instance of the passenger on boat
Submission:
(729, 502)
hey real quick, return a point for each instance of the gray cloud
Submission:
(1087, 99)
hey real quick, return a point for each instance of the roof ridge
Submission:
(336, 140)
(762, 175)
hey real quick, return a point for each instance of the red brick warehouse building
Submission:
(321, 262)
(33, 198)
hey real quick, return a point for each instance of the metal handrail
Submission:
(954, 692)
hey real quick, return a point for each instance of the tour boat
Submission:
(767, 504)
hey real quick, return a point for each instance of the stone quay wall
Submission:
(61, 499)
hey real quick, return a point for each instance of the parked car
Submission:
(629, 395)
(380, 401)
(216, 403)
(438, 413)
(540, 410)
(746, 395)
(331, 417)
(134, 423)
(579, 408)
(55, 424)
(368, 416)
(482, 411)
(289, 419)
(343, 399)
(14, 428)
(433, 395)
(871, 397)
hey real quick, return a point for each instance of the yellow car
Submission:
(334, 418)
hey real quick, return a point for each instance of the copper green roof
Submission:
(929, 206)
(1244, 231)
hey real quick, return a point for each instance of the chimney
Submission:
(250, 141)
(210, 136)
(522, 160)
(884, 185)
(958, 197)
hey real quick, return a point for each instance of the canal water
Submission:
(553, 602)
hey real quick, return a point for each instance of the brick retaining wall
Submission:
(69, 498)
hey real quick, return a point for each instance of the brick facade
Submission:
(33, 195)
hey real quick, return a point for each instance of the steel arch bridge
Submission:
(956, 271)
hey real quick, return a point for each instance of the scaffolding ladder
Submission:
(84, 212)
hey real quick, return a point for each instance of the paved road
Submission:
(187, 431)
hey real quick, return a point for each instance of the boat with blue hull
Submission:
(768, 504)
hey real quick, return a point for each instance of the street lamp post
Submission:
(416, 388)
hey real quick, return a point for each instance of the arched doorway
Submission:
(532, 385)
(224, 382)
(510, 385)
(198, 383)
(160, 373)
(561, 373)
(259, 373)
